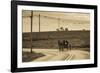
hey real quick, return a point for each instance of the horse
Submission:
(64, 44)
(67, 45)
(60, 45)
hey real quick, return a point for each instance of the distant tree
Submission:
(83, 29)
(66, 29)
(61, 29)
(57, 29)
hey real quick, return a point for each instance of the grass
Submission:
(28, 57)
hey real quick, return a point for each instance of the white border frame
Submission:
(54, 63)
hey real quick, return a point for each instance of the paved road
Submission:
(55, 55)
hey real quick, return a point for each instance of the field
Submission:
(50, 39)
(45, 46)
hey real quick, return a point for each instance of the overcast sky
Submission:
(50, 21)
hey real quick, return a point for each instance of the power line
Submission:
(62, 19)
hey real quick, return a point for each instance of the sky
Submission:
(50, 21)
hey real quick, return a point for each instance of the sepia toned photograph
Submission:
(52, 36)
(55, 36)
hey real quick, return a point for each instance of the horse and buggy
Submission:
(64, 44)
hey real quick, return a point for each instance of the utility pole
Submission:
(31, 28)
(58, 22)
(39, 22)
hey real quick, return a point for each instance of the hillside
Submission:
(50, 39)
